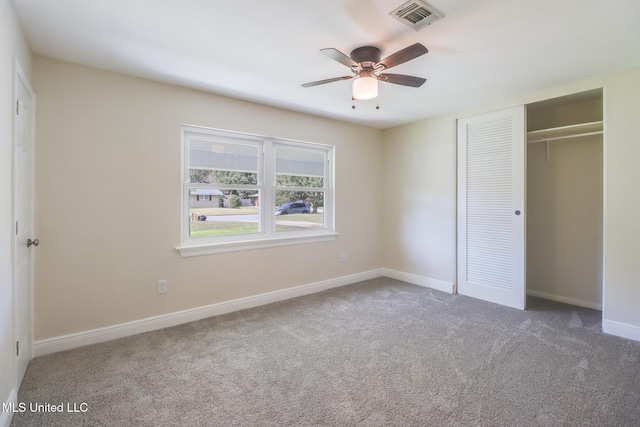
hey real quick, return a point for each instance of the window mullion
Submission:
(268, 180)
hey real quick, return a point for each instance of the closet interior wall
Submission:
(565, 199)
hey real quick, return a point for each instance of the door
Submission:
(23, 214)
(491, 202)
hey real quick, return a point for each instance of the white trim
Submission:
(93, 336)
(566, 300)
(23, 77)
(6, 417)
(605, 170)
(620, 329)
(216, 248)
(454, 160)
(414, 279)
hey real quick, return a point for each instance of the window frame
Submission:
(267, 236)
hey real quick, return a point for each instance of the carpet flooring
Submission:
(376, 353)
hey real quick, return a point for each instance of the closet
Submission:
(564, 196)
(530, 202)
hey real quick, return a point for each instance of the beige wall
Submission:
(622, 205)
(412, 154)
(100, 257)
(12, 45)
(419, 199)
(584, 107)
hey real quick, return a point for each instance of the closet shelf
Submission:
(562, 132)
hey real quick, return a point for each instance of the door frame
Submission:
(20, 78)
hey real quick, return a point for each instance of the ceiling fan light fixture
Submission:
(365, 87)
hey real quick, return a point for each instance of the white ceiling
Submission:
(482, 50)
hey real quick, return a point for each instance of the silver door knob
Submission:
(34, 242)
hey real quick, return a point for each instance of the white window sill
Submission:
(217, 248)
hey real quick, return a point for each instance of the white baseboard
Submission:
(67, 342)
(620, 329)
(11, 402)
(572, 301)
(414, 279)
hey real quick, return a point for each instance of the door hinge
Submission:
(17, 348)
(16, 228)
(17, 107)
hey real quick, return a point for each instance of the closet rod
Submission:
(577, 135)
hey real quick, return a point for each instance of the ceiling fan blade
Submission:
(404, 55)
(339, 56)
(321, 82)
(401, 79)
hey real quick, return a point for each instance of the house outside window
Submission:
(239, 189)
(204, 198)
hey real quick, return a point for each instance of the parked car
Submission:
(293, 208)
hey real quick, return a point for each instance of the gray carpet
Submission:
(377, 353)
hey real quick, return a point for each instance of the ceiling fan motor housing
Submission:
(366, 54)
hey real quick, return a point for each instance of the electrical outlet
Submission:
(343, 257)
(162, 286)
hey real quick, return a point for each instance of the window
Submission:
(246, 191)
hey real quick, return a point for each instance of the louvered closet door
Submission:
(491, 217)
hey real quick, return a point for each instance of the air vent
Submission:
(417, 14)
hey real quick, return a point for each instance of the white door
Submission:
(491, 207)
(23, 187)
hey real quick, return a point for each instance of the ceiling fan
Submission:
(367, 69)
